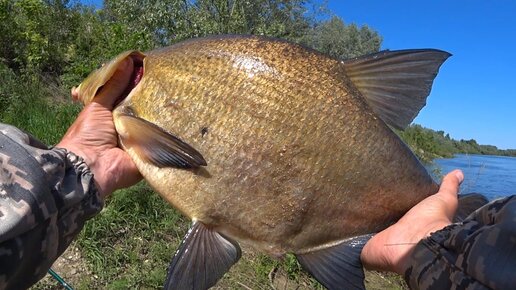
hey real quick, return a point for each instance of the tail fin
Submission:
(468, 203)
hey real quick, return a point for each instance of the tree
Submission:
(9, 33)
(160, 23)
(343, 41)
(167, 22)
(278, 18)
(35, 35)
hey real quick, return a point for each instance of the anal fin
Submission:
(337, 267)
(202, 259)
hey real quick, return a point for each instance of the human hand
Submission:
(93, 137)
(390, 249)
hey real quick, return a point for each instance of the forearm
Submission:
(47, 195)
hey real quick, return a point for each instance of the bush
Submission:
(35, 105)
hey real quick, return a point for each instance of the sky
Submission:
(474, 94)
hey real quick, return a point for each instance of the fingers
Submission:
(117, 171)
(130, 175)
(449, 190)
(116, 86)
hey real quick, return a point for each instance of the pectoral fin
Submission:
(156, 145)
(202, 259)
(337, 267)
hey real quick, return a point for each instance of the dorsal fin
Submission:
(396, 83)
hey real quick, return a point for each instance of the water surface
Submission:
(493, 176)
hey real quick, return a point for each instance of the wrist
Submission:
(91, 159)
(107, 177)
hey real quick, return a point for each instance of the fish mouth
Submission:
(120, 76)
(134, 80)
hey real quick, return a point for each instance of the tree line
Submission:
(429, 144)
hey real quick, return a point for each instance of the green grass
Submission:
(36, 106)
(132, 241)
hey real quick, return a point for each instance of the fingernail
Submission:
(458, 173)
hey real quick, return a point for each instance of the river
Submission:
(493, 176)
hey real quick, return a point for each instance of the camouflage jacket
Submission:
(479, 253)
(46, 195)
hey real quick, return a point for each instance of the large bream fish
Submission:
(265, 142)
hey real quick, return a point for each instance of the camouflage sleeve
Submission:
(45, 198)
(479, 253)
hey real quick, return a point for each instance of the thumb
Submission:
(449, 190)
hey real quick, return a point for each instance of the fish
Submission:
(267, 143)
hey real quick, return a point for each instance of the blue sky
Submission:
(474, 95)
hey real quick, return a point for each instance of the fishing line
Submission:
(60, 279)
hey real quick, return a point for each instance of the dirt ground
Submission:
(71, 267)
